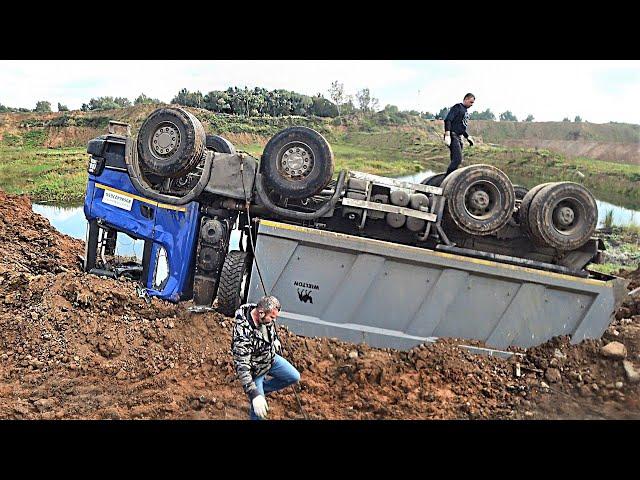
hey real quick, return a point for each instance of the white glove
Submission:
(470, 140)
(447, 139)
(260, 406)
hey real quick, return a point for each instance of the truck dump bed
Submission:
(390, 295)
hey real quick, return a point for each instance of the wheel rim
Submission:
(165, 140)
(295, 161)
(568, 216)
(481, 199)
(182, 181)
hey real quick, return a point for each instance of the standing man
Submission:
(255, 347)
(455, 125)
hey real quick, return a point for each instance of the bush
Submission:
(105, 103)
(259, 102)
(43, 107)
(486, 115)
(34, 138)
(508, 117)
(11, 140)
(189, 99)
(143, 100)
(323, 108)
(608, 219)
(441, 115)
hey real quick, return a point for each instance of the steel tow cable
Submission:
(255, 259)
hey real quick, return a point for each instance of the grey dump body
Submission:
(396, 296)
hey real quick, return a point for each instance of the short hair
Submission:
(268, 303)
(469, 95)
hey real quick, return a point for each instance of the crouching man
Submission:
(256, 347)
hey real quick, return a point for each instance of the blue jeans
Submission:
(282, 375)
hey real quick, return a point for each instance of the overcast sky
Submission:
(598, 91)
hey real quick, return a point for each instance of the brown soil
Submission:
(246, 138)
(59, 137)
(79, 346)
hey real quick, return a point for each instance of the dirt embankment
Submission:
(615, 142)
(78, 346)
(610, 152)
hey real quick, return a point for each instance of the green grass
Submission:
(52, 175)
(362, 157)
(622, 249)
(608, 219)
(612, 182)
(632, 229)
(60, 175)
(611, 268)
(254, 149)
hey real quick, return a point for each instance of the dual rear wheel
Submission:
(562, 215)
(480, 199)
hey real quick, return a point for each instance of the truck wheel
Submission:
(523, 211)
(297, 162)
(480, 198)
(563, 215)
(219, 144)
(434, 180)
(171, 142)
(520, 192)
(234, 282)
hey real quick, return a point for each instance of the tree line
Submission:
(279, 102)
(258, 102)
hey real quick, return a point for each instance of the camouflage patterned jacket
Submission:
(254, 348)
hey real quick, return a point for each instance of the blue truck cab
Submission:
(113, 204)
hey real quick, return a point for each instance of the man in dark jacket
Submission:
(455, 126)
(255, 347)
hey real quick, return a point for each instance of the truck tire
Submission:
(297, 162)
(234, 282)
(520, 192)
(219, 144)
(434, 180)
(171, 142)
(523, 211)
(480, 199)
(563, 215)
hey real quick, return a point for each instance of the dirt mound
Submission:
(77, 346)
(634, 276)
(60, 137)
(29, 244)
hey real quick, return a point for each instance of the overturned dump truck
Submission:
(359, 257)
